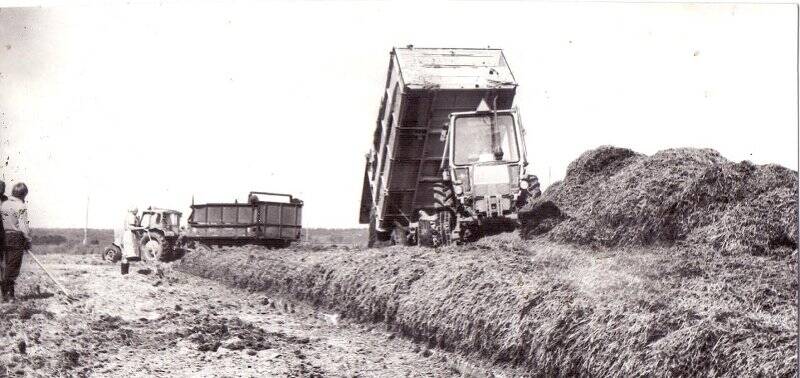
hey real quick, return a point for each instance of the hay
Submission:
(551, 309)
(616, 197)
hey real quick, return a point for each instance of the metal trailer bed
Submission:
(255, 222)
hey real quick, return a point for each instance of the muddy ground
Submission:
(157, 321)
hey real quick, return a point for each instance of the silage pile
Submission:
(616, 197)
(552, 309)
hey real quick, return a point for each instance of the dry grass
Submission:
(554, 309)
(616, 197)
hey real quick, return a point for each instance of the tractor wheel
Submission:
(444, 223)
(526, 199)
(443, 196)
(534, 188)
(437, 232)
(153, 247)
(445, 213)
(112, 254)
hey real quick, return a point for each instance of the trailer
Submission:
(448, 155)
(257, 221)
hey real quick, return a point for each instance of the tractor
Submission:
(158, 237)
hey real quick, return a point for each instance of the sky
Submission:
(152, 104)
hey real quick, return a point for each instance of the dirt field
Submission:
(157, 321)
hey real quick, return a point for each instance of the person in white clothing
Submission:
(130, 244)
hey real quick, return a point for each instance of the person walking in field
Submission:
(130, 245)
(14, 213)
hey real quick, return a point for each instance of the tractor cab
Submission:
(163, 220)
(486, 161)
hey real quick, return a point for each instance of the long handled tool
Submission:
(60, 287)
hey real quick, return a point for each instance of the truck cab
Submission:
(487, 162)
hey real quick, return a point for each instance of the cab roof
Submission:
(159, 210)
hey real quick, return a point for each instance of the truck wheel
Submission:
(112, 254)
(152, 246)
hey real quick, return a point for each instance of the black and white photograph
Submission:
(399, 189)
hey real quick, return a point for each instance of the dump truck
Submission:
(274, 223)
(158, 238)
(448, 158)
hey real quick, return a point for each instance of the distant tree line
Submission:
(48, 239)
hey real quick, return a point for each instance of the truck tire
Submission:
(112, 254)
(153, 247)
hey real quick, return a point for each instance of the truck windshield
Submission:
(472, 141)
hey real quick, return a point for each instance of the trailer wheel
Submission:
(376, 238)
(112, 254)
(372, 237)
